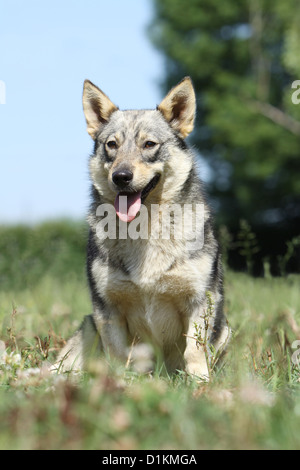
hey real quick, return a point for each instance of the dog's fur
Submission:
(148, 290)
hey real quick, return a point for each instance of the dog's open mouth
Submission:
(127, 207)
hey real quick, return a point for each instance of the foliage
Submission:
(247, 244)
(243, 58)
(251, 402)
(56, 248)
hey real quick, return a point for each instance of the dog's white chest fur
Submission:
(152, 296)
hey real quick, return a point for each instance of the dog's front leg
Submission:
(113, 332)
(196, 353)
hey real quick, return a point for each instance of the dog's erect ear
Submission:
(97, 107)
(179, 107)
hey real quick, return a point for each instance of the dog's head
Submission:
(133, 148)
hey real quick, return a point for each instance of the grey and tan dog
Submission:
(153, 288)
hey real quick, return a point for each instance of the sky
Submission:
(47, 49)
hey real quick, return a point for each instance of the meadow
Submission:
(251, 402)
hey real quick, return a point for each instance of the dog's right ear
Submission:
(97, 107)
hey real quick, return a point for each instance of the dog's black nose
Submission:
(122, 178)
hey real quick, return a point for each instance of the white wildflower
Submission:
(10, 359)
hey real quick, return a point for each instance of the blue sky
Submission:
(47, 49)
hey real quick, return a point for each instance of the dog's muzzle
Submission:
(128, 203)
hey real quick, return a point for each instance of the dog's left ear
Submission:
(97, 107)
(179, 107)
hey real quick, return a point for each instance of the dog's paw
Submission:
(141, 358)
(198, 371)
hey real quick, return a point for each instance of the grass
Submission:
(252, 401)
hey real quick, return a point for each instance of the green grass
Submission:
(252, 401)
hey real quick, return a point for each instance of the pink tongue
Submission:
(127, 206)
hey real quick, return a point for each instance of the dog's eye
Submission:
(149, 144)
(111, 144)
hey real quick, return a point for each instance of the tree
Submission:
(243, 57)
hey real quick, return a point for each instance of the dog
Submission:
(147, 288)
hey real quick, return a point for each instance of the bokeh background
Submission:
(243, 58)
